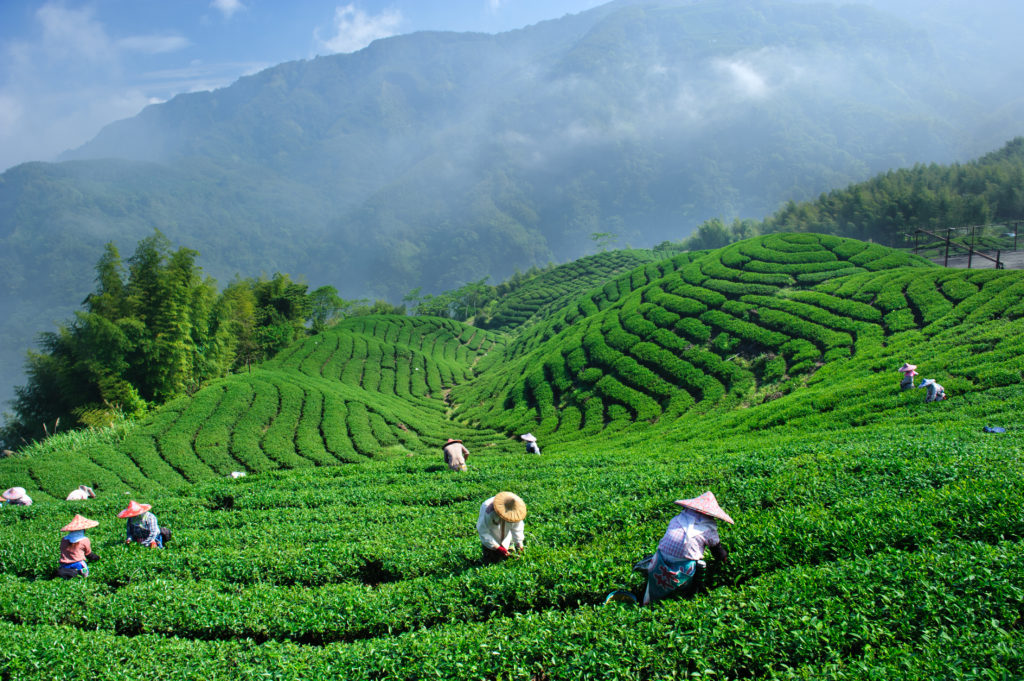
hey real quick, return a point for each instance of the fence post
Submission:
(970, 250)
(945, 263)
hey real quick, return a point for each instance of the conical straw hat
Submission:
(529, 437)
(79, 523)
(907, 367)
(134, 509)
(14, 493)
(509, 507)
(708, 505)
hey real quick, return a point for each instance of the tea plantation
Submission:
(876, 536)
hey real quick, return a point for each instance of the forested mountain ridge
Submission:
(435, 159)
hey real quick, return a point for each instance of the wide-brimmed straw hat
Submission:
(450, 441)
(88, 490)
(134, 509)
(529, 437)
(925, 382)
(79, 523)
(708, 505)
(907, 367)
(509, 507)
(14, 493)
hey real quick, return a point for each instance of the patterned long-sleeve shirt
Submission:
(688, 535)
(145, 531)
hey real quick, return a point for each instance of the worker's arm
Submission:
(91, 557)
(518, 534)
(719, 552)
(465, 452)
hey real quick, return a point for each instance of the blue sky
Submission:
(67, 68)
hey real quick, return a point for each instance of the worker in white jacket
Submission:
(500, 526)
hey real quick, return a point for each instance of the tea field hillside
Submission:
(876, 536)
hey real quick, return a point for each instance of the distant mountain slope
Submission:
(435, 159)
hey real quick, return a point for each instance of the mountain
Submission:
(764, 372)
(434, 159)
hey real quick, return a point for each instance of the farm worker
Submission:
(908, 371)
(76, 549)
(16, 496)
(935, 391)
(500, 526)
(531, 443)
(455, 454)
(141, 525)
(682, 548)
(81, 494)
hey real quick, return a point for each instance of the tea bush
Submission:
(876, 536)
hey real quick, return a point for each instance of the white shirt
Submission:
(494, 531)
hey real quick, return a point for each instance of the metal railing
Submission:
(975, 240)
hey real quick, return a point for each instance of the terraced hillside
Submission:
(552, 290)
(747, 325)
(876, 536)
(370, 387)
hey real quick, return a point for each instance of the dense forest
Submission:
(889, 207)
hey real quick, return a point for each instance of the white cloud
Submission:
(11, 111)
(59, 88)
(227, 7)
(153, 44)
(73, 32)
(745, 78)
(355, 29)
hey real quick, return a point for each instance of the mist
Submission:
(434, 159)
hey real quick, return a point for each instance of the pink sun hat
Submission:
(134, 509)
(79, 523)
(708, 505)
(908, 369)
(14, 493)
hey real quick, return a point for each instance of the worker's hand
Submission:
(127, 541)
(152, 545)
(503, 550)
